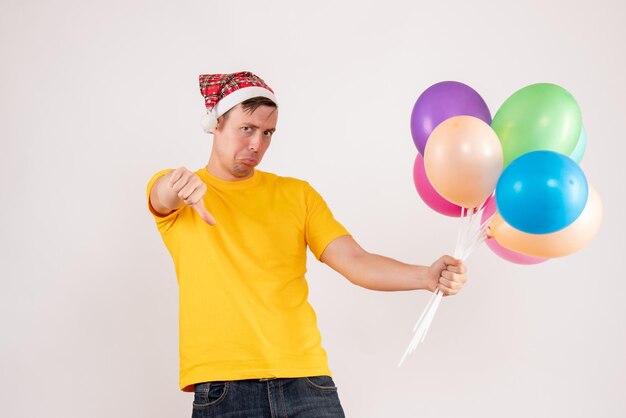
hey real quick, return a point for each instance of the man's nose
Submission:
(255, 141)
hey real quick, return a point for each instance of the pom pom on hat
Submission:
(209, 122)
(222, 92)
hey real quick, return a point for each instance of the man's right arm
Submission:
(177, 188)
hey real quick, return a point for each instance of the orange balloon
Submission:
(557, 244)
(463, 160)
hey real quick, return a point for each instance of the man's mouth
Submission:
(249, 161)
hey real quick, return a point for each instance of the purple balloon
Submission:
(440, 102)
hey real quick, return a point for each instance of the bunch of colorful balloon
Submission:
(528, 155)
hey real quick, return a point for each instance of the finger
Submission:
(191, 198)
(454, 277)
(193, 191)
(446, 290)
(457, 268)
(450, 261)
(204, 214)
(182, 181)
(175, 176)
(185, 194)
(450, 284)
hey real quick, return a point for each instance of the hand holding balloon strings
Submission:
(462, 162)
(469, 236)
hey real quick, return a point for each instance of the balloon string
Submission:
(426, 318)
(431, 316)
(428, 305)
(422, 326)
(468, 228)
(459, 234)
(485, 224)
(479, 233)
(469, 237)
(473, 246)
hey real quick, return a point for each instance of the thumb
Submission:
(450, 261)
(204, 214)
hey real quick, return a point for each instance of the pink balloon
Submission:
(512, 256)
(490, 208)
(428, 194)
(497, 248)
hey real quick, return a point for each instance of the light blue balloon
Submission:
(581, 145)
(541, 192)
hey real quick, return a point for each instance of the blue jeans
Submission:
(303, 397)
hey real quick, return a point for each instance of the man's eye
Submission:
(246, 129)
(267, 133)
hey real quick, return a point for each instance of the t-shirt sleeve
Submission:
(164, 223)
(321, 227)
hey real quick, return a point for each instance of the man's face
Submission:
(240, 141)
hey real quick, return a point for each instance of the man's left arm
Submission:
(376, 272)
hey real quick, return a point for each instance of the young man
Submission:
(249, 342)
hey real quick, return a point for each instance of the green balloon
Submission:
(541, 116)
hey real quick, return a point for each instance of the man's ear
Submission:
(220, 123)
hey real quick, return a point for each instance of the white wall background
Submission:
(97, 96)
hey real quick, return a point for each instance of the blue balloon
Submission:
(541, 192)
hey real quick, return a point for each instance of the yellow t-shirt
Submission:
(243, 306)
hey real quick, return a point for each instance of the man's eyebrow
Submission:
(252, 125)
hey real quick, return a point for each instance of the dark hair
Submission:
(250, 105)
